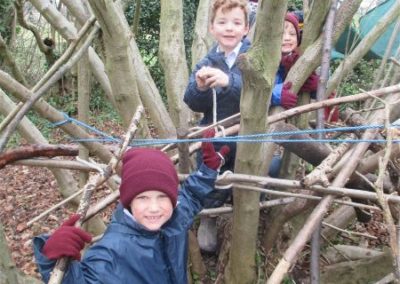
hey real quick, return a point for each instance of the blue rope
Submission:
(251, 138)
(69, 119)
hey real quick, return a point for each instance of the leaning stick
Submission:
(10, 128)
(10, 116)
(94, 182)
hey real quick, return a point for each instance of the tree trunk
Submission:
(256, 94)
(119, 63)
(147, 88)
(314, 22)
(173, 60)
(202, 41)
(9, 60)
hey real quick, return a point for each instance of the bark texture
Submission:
(173, 60)
(259, 68)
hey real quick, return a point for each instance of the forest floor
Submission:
(25, 192)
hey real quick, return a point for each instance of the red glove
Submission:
(287, 61)
(328, 110)
(288, 98)
(212, 159)
(311, 84)
(66, 241)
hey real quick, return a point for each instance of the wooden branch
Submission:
(378, 186)
(263, 205)
(41, 91)
(62, 264)
(304, 196)
(19, 7)
(349, 232)
(48, 112)
(10, 116)
(6, 54)
(395, 61)
(319, 174)
(293, 184)
(36, 150)
(315, 217)
(288, 114)
(66, 55)
(56, 163)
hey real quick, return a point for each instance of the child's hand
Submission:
(288, 98)
(311, 84)
(213, 160)
(66, 241)
(208, 77)
(201, 77)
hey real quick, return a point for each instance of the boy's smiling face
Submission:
(229, 27)
(152, 209)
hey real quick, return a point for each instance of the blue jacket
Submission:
(128, 253)
(277, 90)
(228, 98)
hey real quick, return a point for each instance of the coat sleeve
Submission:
(276, 94)
(277, 90)
(78, 272)
(193, 192)
(198, 101)
(233, 91)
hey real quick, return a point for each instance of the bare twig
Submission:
(66, 55)
(349, 232)
(44, 88)
(378, 186)
(320, 173)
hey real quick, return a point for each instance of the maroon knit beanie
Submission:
(292, 18)
(147, 169)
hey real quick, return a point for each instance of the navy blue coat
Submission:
(128, 253)
(228, 98)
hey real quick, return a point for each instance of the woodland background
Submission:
(98, 60)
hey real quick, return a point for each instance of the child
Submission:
(218, 69)
(229, 25)
(218, 72)
(146, 241)
(281, 94)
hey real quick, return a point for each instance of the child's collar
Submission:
(235, 51)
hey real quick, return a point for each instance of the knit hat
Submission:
(292, 18)
(147, 169)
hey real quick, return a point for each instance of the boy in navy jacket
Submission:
(146, 241)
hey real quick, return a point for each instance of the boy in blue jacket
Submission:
(218, 72)
(146, 241)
